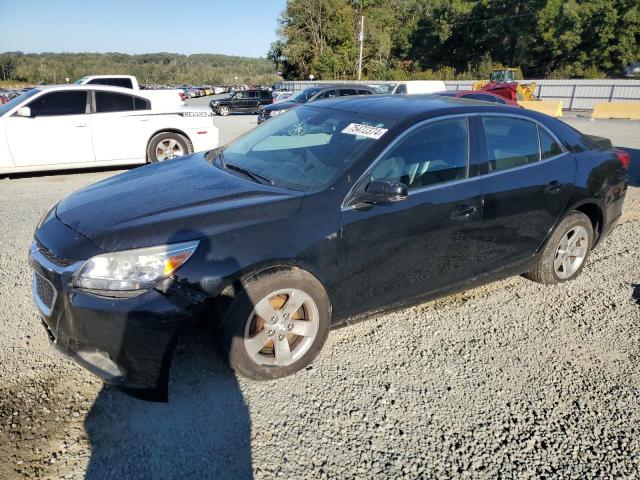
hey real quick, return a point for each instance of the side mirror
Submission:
(24, 112)
(381, 191)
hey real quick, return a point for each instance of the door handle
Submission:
(553, 187)
(144, 119)
(81, 125)
(464, 211)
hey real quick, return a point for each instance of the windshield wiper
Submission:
(255, 176)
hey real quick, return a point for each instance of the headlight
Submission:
(133, 269)
(277, 112)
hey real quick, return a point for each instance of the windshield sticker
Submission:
(364, 131)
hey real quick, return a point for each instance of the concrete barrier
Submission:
(616, 110)
(551, 108)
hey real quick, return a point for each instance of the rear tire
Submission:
(167, 145)
(566, 252)
(281, 339)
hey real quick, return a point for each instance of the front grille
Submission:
(52, 257)
(44, 290)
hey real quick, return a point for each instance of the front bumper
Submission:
(128, 342)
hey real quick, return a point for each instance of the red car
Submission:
(478, 95)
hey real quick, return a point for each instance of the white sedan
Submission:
(80, 126)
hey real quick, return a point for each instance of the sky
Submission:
(244, 27)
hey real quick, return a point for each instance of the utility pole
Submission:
(361, 39)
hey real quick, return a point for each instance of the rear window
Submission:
(511, 142)
(112, 82)
(118, 102)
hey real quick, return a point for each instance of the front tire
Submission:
(276, 324)
(223, 111)
(566, 252)
(167, 145)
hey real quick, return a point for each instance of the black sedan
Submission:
(330, 212)
(321, 92)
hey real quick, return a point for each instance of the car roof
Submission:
(329, 86)
(402, 107)
(75, 86)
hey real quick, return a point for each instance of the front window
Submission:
(305, 148)
(60, 103)
(437, 152)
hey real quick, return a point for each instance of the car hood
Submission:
(172, 201)
(281, 106)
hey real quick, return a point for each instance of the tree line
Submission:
(457, 39)
(153, 68)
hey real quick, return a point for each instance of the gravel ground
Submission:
(511, 379)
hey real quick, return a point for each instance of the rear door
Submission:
(57, 133)
(120, 126)
(397, 251)
(526, 185)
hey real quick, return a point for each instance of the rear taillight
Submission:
(624, 157)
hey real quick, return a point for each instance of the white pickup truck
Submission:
(79, 126)
(170, 97)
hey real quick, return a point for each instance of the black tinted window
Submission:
(364, 92)
(112, 82)
(479, 96)
(402, 89)
(265, 94)
(141, 104)
(435, 153)
(511, 142)
(60, 103)
(328, 94)
(113, 102)
(252, 94)
(347, 91)
(548, 145)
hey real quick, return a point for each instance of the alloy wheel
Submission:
(281, 328)
(571, 252)
(168, 149)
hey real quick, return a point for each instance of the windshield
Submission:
(304, 95)
(79, 82)
(17, 101)
(305, 148)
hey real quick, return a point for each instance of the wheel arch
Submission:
(595, 213)
(232, 285)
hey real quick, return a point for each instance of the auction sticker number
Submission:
(364, 131)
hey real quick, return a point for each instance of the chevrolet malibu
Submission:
(327, 213)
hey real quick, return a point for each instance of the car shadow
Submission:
(636, 292)
(633, 173)
(204, 431)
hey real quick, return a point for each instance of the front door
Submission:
(396, 251)
(527, 186)
(57, 133)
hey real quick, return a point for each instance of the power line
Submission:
(486, 20)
